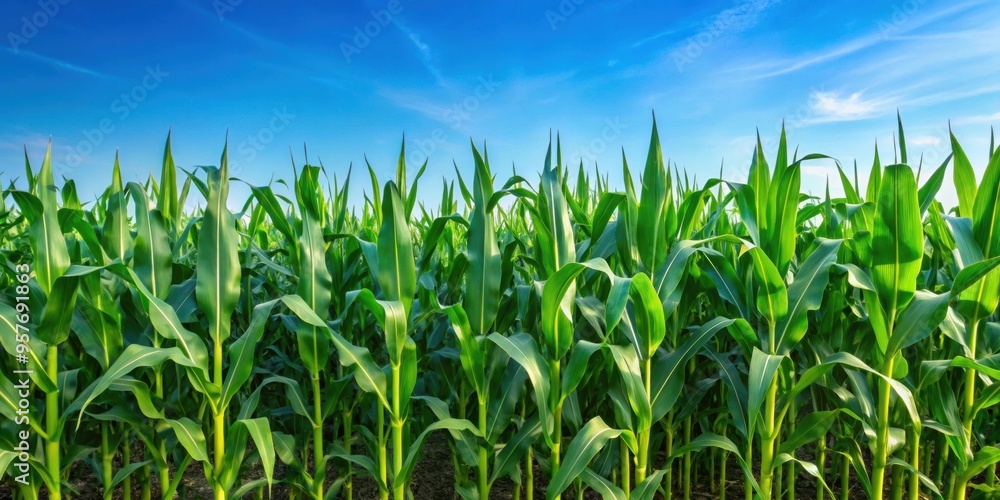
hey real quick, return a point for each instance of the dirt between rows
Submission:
(433, 479)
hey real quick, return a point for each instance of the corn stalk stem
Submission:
(897, 483)
(790, 473)
(163, 472)
(382, 462)
(770, 433)
(767, 447)
(624, 467)
(220, 424)
(555, 368)
(722, 468)
(52, 424)
(318, 461)
(348, 431)
(482, 475)
(399, 491)
(821, 465)
(642, 457)
(882, 433)
(668, 478)
(127, 459)
(107, 456)
(913, 437)
(687, 459)
(968, 399)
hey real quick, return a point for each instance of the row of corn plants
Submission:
(557, 335)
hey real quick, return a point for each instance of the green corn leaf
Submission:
(315, 284)
(470, 353)
(628, 369)
(396, 267)
(772, 297)
(51, 258)
(929, 190)
(241, 352)
(763, 368)
(165, 321)
(601, 485)
(737, 400)
(576, 368)
(390, 315)
(964, 177)
(411, 458)
(260, 431)
(971, 275)
(649, 321)
(127, 470)
(898, 240)
(510, 455)
(646, 489)
(986, 231)
(809, 467)
(651, 235)
(810, 428)
(523, 350)
(557, 326)
(54, 327)
(218, 265)
(369, 377)
(143, 396)
(759, 180)
(985, 457)
(482, 286)
(806, 294)
(266, 199)
(668, 371)
(503, 404)
(153, 257)
(191, 437)
(925, 312)
(115, 235)
(783, 222)
(709, 439)
(582, 449)
(134, 356)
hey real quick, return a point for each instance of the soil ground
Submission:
(433, 479)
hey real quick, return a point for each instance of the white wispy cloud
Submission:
(783, 66)
(832, 106)
(33, 141)
(726, 23)
(822, 171)
(977, 119)
(925, 140)
(58, 63)
(426, 56)
(415, 101)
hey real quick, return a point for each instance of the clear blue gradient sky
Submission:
(350, 78)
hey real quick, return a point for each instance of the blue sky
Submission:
(350, 78)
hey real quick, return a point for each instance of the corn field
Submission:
(668, 339)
